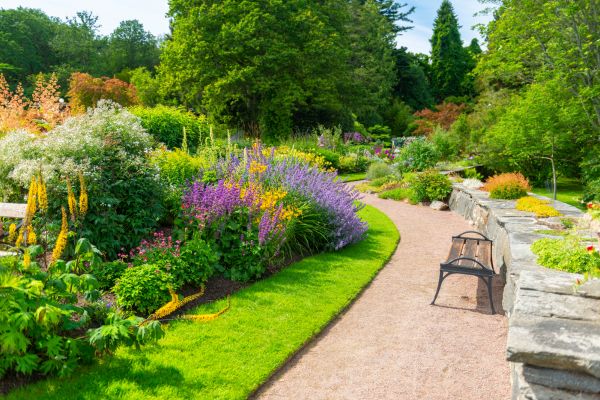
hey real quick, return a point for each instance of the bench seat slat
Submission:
(12, 210)
(484, 255)
(470, 250)
(456, 249)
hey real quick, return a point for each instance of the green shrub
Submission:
(471, 173)
(352, 163)
(166, 124)
(175, 169)
(330, 156)
(108, 273)
(380, 132)
(567, 254)
(109, 147)
(398, 194)
(377, 182)
(199, 260)
(446, 144)
(418, 155)
(378, 170)
(430, 186)
(143, 288)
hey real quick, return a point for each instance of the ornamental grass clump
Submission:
(539, 207)
(507, 186)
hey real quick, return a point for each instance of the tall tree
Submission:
(449, 63)
(130, 46)
(269, 65)
(412, 85)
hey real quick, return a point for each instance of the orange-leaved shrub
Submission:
(39, 114)
(85, 91)
(508, 186)
(444, 116)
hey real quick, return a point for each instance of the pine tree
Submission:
(449, 61)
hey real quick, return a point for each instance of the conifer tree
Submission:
(449, 61)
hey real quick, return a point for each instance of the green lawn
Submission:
(569, 191)
(229, 358)
(358, 176)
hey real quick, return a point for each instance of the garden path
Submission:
(391, 344)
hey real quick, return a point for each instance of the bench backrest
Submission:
(13, 210)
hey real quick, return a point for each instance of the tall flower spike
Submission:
(83, 196)
(71, 200)
(20, 237)
(26, 259)
(31, 236)
(42, 194)
(31, 203)
(12, 233)
(61, 241)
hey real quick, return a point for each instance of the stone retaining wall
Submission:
(554, 327)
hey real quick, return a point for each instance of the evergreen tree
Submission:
(449, 61)
(412, 85)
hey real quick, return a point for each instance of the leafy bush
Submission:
(166, 124)
(398, 194)
(508, 186)
(143, 288)
(381, 133)
(352, 163)
(85, 91)
(191, 263)
(567, 254)
(444, 116)
(378, 170)
(108, 273)
(108, 146)
(446, 144)
(540, 208)
(418, 155)
(175, 169)
(430, 186)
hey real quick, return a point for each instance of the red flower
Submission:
(591, 248)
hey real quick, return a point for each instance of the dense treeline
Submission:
(540, 100)
(31, 42)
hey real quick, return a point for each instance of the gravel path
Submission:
(391, 344)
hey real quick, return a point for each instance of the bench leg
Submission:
(441, 279)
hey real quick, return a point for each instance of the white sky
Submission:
(151, 13)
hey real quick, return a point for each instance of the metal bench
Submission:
(469, 256)
(12, 211)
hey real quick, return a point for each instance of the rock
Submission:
(439, 205)
(564, 380)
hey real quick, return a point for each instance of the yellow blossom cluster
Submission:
(271, 198)
(61, 241)
(290, 212)
(12, 232)
(257, 168)
(311, 159)
(173, 305)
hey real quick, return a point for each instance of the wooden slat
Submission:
(484, 255)
(12, 210)
(469, 250)
(456, 249)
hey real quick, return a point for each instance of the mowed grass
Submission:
(230, 357)
(358, 176)
(569, 191)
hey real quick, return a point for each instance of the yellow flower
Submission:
(42, 194)
(31, 236)
(71, 199)
(31, 203)
(12, 232)
(61, 241)
(257, 168)
(83, 196)
(26, 259)
(19, 240)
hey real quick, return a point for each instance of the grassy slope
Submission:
(231, 356)
(569, 191)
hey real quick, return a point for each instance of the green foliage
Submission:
(568, 254)
(108, 145)
(147, 86)
(199, 261)
(143, 288)
(399, 118)
(108, 273)
(166, 124)
(268, 322)
(380, 133)
(412, 84)
(430, 186)
(398, 194)
(448, 58)
(378, 170)
(352, 163)
(43, 312)
(267, 79)
(124, 331)
(418, 155)
(175, 169)
(508, 191)
(446, 143)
